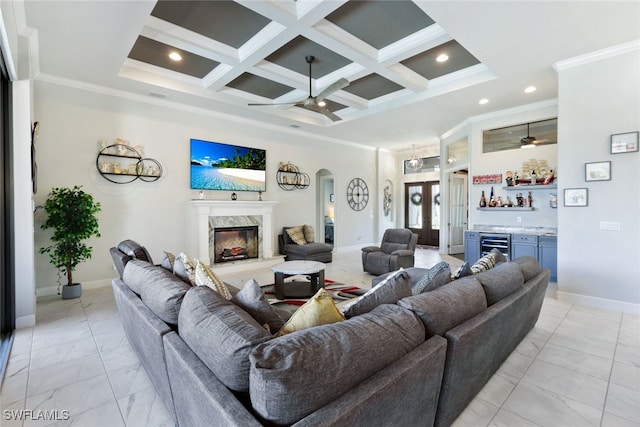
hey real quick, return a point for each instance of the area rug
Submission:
(340, 293)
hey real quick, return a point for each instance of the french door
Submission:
(422, 211)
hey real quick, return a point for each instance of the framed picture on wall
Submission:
(576, 197)
(624, 142)
(597, 171)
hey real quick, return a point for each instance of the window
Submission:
(524, 135)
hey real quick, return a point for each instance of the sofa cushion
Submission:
(221, 334)
(308, 249)
(437, 276)
(393, 288)
(185, 268)
(319, 310)
(294, 375)
(206, 277)
(309, 234)
(448, 306)
(297, 235)
(502, 280)
(159, 290)
(529, 266)
(252, 300)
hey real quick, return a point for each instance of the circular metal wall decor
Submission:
(357, 194)
(416, 199)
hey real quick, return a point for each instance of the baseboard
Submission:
(607, 304)
(92, 284)
(25, 321)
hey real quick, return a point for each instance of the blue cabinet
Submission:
(548, 255)
(471, 246)
(524, 245)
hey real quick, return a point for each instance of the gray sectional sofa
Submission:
(418, 361)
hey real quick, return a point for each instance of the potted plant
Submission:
(72, 216)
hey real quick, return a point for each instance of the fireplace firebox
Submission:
(235, 243)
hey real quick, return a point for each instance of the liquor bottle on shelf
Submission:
(533, 177)
(483, 200)
(529, 200)
(549, 179)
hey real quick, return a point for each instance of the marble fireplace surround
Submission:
(219, 213)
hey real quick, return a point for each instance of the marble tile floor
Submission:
(579, 366)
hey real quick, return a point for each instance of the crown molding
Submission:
(598, 55)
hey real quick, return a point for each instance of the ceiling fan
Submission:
(532, 140)
(317, 103)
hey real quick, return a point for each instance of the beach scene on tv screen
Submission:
(217, 166)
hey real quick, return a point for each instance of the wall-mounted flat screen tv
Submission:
(217, 166)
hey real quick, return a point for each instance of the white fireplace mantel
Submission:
(207, 208)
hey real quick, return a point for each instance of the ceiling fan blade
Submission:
(330, 115)
(334, 87)
(274, 105)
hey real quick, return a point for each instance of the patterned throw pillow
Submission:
(462, 271)
(168, 261)
(206, 277)
(309, 234)
(185, 268)
(319, 310)
(252, 300)
(297, 234)
(437, 276)
(487, 262)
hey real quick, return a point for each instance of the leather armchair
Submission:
(396, 250)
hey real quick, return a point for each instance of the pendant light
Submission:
(414, 162)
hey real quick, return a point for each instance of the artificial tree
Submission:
(72, 216)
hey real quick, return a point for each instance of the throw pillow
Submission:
(499, 256)
(297, 234)
(168, 261)
(462, 271)
(395, 287)
(319, 310)
(437, 276)
(309, 234)
(185, 268)
(206, 277)
(487, 262)
(252, 300)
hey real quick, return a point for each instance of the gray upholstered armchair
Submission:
(396, 250)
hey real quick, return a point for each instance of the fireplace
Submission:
(214, 214)
(235, 243)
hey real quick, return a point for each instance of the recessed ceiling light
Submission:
(530, 89)
(175, 56)
(483, 101)
(443, 57)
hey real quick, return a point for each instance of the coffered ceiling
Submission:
(236, 53)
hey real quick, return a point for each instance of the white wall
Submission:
(597, 99)
(158, 214)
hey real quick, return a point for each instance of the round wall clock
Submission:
(357, 194)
